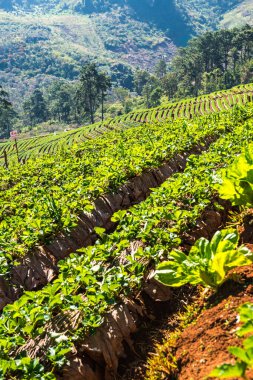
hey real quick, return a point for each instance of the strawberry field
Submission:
(94, 235)
(189, 108)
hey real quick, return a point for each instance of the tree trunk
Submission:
(102, 106)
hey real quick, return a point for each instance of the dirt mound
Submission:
(204, 344)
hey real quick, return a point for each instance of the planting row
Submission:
(211, 264)
(189, 108)
(46, 195)
(40, 331)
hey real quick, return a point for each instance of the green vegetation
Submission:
(239, 15)
(34, 207)
(35, 108)
(44, 48)
(91, 281)
(92, 90)
(56, 38)
(237, 180)
(211, 62)
(207, 263)
(203, 15)
(243, 355)
(189, 108)
(6, 112)
(54, 46)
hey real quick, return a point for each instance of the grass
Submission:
(162, 361)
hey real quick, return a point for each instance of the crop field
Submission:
(77, 323)
(190, 108)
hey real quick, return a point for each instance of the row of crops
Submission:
(46, 195)
(203, 105)
(91, 281)
(215, 266)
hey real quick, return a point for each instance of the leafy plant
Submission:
(237, 180)
(208, 263)
(244, 355)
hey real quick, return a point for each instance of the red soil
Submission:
(203, 345)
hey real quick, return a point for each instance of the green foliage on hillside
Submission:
(239, 15)
(43, 40)
(37, 49)
(213, 61)
(203, 15)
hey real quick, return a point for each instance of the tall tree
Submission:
(7, 113)
(35, 108)
(169, 84)
(104, 84)
(60, 101)
(141, 78)
(161, 68)
(92, 89)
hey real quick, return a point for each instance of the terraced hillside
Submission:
(134, 192)
(203, 105)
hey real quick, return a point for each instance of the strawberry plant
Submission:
(45, 196)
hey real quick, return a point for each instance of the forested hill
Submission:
(180, 18)
(41, 40)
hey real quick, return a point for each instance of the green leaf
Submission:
(100, 231)
(226, 371)
(178, 256)
(246, 328)
(202, 248)
(240, 353)
(168, 274)
(118, 216)
(246, 312)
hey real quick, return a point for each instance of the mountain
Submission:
(239, 15)
(41, 40)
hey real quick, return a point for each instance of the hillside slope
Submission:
(187, 109)
(43, 40)
(36, 48)
(240, 15)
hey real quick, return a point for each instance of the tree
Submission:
(104, 84)
(160, 69)
(35, 108)
(247, 72)
(92, 89)
(214, 61)
(152, 93)
(141, 78)
(169, 84)
(7, 113)
(60, 101)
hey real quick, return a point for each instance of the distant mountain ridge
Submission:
(180, 18)
(41, 40)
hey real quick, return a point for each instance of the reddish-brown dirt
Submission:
(203, 345)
